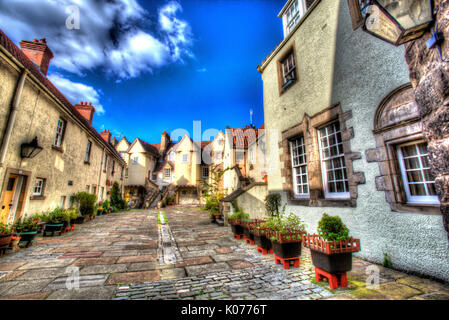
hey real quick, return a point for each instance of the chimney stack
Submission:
(106, 135)
(86, 110)
(165, 141)
(38, 52)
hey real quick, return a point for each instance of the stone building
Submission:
(74, 156)
(348, 137)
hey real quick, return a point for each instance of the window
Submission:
(87, 189)
(135, 159)
(126, 173)
(105, 163)
(122, 154)
(171, 156)
(121, 172)
(333, 166)
(219, 155)
(251, 157)
(240, 156)
(94, 189)
(418, 181)
(39, 187)
(87, 156)
(167, 173)
(205, 172)
(185, 158)
(299, 167)
(60, 128)
(288, 66)
(294, 14)
(154, 176)
(113, 168)
(62, 202)
(101, 193)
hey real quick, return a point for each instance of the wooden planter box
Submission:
(53, 228)
(5, 239)
(263, 242)
(41, 227)
(332, 256)
(286, 246)
(237, 229)
(27, 237)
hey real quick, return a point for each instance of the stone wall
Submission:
(429, 76)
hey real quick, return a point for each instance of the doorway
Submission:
(13, 196)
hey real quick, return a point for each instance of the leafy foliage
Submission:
(116, 198)
(273, 204)
(105, 205)
(211, 190)
(86, 203)
(387, 261)
(27, 225)
(238, 212)
(5, 229)
(56, 216)
(332, 228)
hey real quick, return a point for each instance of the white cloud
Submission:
(77, 92)
(118, 36)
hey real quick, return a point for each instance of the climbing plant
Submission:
(211, 189)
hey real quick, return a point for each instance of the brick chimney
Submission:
(86, 110)
(165, 141)
(38, 52)
(106, 135)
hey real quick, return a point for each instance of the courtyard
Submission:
(130, 256)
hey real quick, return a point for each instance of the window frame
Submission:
(42, 187)
(296, 194)
(410, 199)
(88, 152)
(60, 133)
(327, 193)
(202, 172)
(165, 173)
(290, 23)
(289, 51)
(185, 158)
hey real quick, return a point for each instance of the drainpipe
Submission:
(12, 116)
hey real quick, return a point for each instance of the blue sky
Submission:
(150, 66)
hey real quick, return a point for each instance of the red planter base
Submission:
(286, 262)
(72, 227)
(238, 236)
(264, 251)
(249, 241)
(335, 280)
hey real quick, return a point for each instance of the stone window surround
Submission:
(40, 196)
(64, 130)
(309, 127)
(385, 154)
(290, 50)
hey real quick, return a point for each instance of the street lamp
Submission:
(394, 21)
(31, 149)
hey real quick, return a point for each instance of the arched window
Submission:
(401, 153)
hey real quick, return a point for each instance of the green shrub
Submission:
(56, 216)
(105, 205)
(86, 203)
(285, 224)
(27, 225)
(73, 213)
(116, 197)
(5, 229)
(387, 261)
(273, 204)
(331, 228)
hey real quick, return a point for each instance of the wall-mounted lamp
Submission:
(31, 149)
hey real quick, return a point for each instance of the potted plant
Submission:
(73, 213)
(332, 248)
(106, 207)
(263, 242)
(85, 203)
(27, 230)
(100, 211)
(5, 237)
(236, 220)
(56, 221)
(286, 235)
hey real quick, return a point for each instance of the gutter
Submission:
(12, 116)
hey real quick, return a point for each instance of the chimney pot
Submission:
(87, 111)
(38, 52)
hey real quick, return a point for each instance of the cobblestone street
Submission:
(119, 255)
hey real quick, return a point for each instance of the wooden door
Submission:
(8, 198)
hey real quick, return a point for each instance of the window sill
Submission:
(432, 209)
(37, 198)
(59, 149)
(320, 202)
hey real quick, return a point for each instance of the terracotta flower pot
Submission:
(5, 240)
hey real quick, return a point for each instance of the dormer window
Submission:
(293, 14)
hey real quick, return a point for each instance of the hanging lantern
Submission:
(31, 149)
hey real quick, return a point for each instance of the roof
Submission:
(242, 137)
(9, 46)
(146, 146)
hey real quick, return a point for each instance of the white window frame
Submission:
(299, 165)
(185, 158)
(428, 199)
(62, 202)
(88, 150)
(237, 153)
(165, 173)
(135, 159)
(60, 128)
(293, 14)
(288, 67)
(327, 193)
(105, 162)
(126, 172)
(171, 156)
(87, 188)
(205, 169)
(39, 185)
(101, 193)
